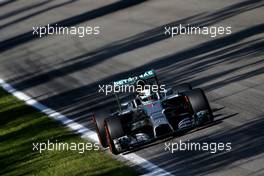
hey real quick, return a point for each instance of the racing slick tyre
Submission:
(100, 129)
(114, 130)
(199, 102)
(183, 88)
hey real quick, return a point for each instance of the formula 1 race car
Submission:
(149, 115)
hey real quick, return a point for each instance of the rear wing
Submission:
(132, 80)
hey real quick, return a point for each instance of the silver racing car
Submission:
(147, 115)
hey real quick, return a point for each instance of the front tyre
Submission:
(100, 129)
(199, 102)
(114, 130)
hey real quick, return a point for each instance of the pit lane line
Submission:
(85, 133)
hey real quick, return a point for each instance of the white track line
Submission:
(83, 131)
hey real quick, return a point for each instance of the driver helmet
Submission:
(144, 92)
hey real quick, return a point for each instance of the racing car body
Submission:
(152, 116)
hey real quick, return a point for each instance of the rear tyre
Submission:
(100, 129)
(183, 88)
(114, 130)
(199, 102)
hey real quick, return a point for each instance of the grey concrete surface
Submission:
(64, 72)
